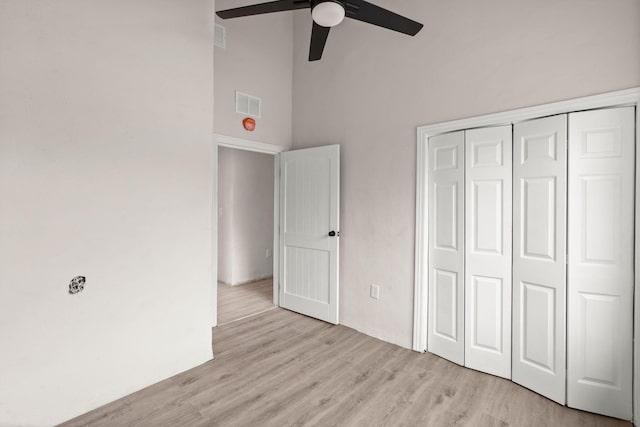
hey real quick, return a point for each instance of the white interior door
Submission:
(539, 248)
(601, 245)
(488, 250)
(309, 231)
(445, 335)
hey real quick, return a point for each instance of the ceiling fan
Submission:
(329, 13)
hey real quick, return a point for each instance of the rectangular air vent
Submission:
(247, 104)
(220, 37)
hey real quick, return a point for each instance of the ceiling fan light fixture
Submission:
(328, 13)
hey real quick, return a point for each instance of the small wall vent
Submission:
(220, 36)
(247, 104)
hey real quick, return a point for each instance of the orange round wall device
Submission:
(249, 124)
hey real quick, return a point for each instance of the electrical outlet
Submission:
(267, 253)
(374, 291)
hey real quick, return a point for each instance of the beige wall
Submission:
(106, 116)
(258, 60)
(245, 215)
(373, 87)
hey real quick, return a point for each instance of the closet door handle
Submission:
(334, 233)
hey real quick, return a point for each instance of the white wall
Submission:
(245, 215)
(258, 60)
(106, 119)
(226, 169)
(373, 87)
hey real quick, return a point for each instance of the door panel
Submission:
(445, 209)
(488, 250)
(601, 245)
(539, 277)
(538, 306)
(445, 293)
(487, 216)
(486, 315)
(539, 218)
(309, 210)
(446, 247)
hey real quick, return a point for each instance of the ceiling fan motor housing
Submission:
(328, 13)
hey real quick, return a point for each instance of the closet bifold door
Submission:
(539, 248)
(488, 250)
(601, 248)
(445, 335)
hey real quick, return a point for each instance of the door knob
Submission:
(334, 233)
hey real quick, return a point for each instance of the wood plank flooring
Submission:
(279, 368)
(240, 301)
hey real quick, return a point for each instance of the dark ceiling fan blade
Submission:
(258, 9)
(319, 36)
(370, 13)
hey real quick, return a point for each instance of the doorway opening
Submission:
(245, 253)
(245, 234)
(306, 211)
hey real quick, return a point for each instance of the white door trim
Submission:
(636, 288)
(627, 97)
(245, 144)
(259, 147)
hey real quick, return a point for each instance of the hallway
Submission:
(240, 301)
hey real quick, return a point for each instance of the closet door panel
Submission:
(446, 247)
(601, 245)
(539, 247)
(488, 250)
(538, 216)
(538, 308)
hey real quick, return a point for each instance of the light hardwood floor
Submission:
(283, 369)
(240, 301)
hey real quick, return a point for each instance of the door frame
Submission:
(258, 147)
(627, 97)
